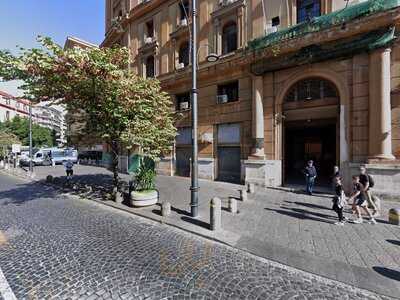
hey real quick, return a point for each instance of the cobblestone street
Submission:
(54, 247)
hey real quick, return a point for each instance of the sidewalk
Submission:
(290, 228)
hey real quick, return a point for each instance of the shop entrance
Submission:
(305, 141)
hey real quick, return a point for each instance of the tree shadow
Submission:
(389, 273)
(298, 215)
(394, 242)
(27, 192)
(196, 222)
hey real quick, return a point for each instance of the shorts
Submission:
(70, 172)
(361, 202)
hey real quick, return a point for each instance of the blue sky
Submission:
(21, 21)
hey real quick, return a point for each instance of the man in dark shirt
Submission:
(364, 180)
(311, 173)
(359, 201)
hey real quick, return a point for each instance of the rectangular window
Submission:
(183, 101)
(184, 136)
(149, 29)
(308, 9)
(228, 92)
(276, 21)
(7, 116)
(184, 10)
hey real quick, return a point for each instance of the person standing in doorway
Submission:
(311, 173)
(367, 181)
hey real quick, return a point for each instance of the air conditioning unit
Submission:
(148, 40)
(222, 98)
(180, 66)
(183, 22)
(271, 29)
(184, 105)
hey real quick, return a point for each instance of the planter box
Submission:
(143, 198)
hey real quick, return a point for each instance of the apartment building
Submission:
(11, 107)
(295, 80)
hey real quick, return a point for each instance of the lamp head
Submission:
(212, 57)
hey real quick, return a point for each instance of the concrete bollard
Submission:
(215, 214)
(251, 188)
(243, 195)
(165, 209)
(232, 205)
(394, 216)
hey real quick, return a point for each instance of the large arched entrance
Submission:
(311, 129)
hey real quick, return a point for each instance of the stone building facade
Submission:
(295, 80)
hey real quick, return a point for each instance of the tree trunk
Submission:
(114, 164)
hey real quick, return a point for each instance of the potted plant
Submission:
(144, 192)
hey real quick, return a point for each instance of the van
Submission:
(48, 156)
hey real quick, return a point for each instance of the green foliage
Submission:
(145, 178)
(6, 140)
(19, 127)
(109, 101)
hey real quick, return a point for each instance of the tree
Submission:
(19, 127)
(6, 140)
(115, 105)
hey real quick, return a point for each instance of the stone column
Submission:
(258, 118)
(380, 121)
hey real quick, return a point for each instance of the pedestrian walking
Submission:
(359, 200)
(69, 169)
(368, 182)
(311, 173)
(339, 201)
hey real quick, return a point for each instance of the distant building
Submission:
(11, 107)
(46, 116)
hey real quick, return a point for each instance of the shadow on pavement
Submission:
(389, 273)
(196, 222)
(298, 215)
(311, 205)
(394, 242)
(27, 192)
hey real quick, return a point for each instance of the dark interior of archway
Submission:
(305, 140)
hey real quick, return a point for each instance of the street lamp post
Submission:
(211, 57)
(194, 188)
(30, 140)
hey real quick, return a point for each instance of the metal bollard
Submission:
(251, 188)
(215, 214)
(394, 216)
(232, 205)
(165, 209)
(243, 195)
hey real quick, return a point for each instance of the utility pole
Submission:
(30, 140)
(194, 188)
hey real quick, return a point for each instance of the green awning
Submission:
(323, 22)
(316, 53)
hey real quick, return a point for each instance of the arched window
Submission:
(308, 9)
(311, 89)
(229, 38)
(184, 54)
(150, 66)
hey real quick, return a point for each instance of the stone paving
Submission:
(55, 247)
(293, 229)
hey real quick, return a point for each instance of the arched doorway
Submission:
(311, 129)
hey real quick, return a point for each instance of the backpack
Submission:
(371, 181)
